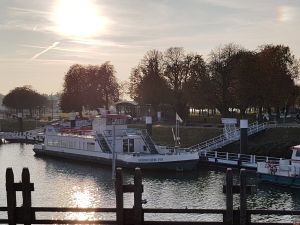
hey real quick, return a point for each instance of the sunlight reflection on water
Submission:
(63, 183)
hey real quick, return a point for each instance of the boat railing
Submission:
(246, 158)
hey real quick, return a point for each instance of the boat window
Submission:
(125, 145)
(90, 146)
(116, 121)
(131, 145)
(297, 153)
(49, 142)
(64, 144)
(53, 143)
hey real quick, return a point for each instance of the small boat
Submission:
(285, 172)
(111, 139)
(29, 137)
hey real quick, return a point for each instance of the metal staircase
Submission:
(149, 142)
(228, 138)
(103, 143)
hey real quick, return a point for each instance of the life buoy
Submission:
(272, 167)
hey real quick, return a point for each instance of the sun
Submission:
(77, 18)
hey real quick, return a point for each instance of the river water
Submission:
(64, 183)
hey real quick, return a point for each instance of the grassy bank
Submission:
(273, 142)
(162, 135)
(13, 125)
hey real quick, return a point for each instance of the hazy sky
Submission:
(39, 40)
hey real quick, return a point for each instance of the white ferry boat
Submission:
(110, 137)
(285, 173)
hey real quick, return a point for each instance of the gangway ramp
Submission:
(228, 138)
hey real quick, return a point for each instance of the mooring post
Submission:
(243, 136)
(229, 197)
(243, 198)
(26, 194)
(119, 196)
(138, 189)
(11, 197)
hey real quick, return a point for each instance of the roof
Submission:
(115, 116)
(296, 147)
(126, 102)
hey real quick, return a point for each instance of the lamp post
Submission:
(51, 107)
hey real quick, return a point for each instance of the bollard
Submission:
(229, 197)
(243, 136)
(138, 189)
(243, 198)
(119, 196)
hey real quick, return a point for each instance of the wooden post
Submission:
(138, 189)
(243, 198)
(229, 197)
(119, 197)
(26, 194)
(11, 197)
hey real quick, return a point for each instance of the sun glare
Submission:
(82, 199)
(77, 18)
(284, 14)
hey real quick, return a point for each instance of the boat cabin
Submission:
(110, 125)
(296, 154)
(106, 123)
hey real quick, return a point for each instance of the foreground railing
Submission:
(26, 214)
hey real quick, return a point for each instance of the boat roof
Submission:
(296, 147)
(115, 116)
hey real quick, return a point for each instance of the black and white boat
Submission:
(111, 141)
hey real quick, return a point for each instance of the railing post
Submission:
(138, 189)
(229, 197)
(243, 198)
(26, 194)
(11, 197)
(254, 158)
(119, 197)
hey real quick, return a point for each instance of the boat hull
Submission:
(183, 165)
(293, 182)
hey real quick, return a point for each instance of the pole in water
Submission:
(243, 136)
(113, 171)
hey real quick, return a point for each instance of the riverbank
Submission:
(12, 125)
(272, 142)
(275, 142)
(189, 136)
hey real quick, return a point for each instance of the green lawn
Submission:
(162, 135)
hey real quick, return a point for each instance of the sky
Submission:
(40, 40)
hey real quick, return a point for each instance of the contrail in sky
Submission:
(44, 51)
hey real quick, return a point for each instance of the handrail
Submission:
(223, 139)
(237, 156)
(107, 142)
